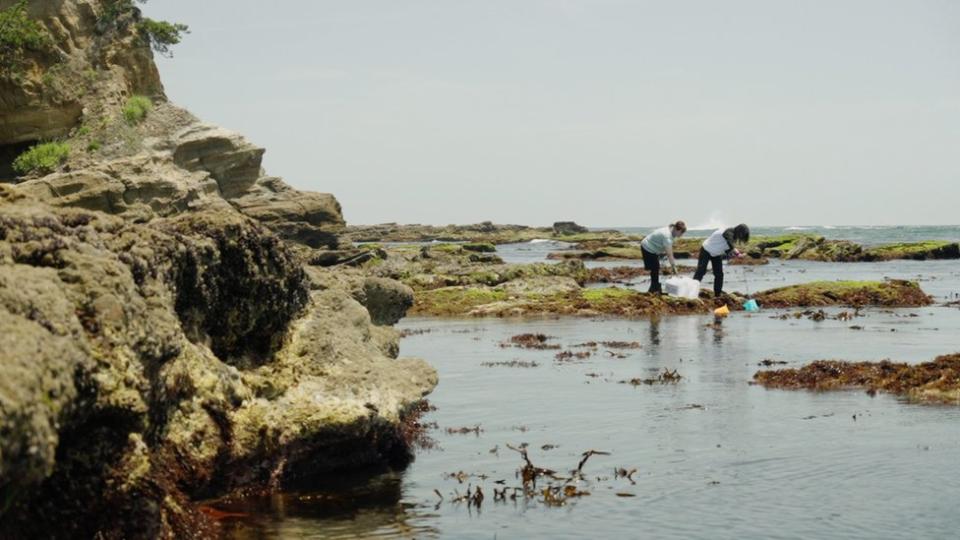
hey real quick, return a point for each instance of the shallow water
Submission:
(716, 456)
(750, 463)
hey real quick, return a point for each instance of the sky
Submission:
(606, 112)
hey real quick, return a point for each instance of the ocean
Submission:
(867, 235)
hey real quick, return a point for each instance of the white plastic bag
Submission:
(684, 287)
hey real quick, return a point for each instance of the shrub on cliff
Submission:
(136, 109)
(162, 34)
(159, 35)
(42, 158)
(19, 34)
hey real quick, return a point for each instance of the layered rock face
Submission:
(35, 107)
(163, 341)
(172, 163)
(196, 167)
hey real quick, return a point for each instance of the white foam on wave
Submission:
(797, 228)
(715, 221)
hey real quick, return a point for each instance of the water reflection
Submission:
(353, 506)
(655, 332)
(717, 328)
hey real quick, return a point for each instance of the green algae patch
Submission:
(541, 296)
(446, 248)
(893, 293)
(931, 382)
(497, 302)
(915, 251)
(466, 274)
(826, 251)
(606, 294)
(480, 247)
(449, 301)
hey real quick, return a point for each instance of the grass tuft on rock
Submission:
(43, 158)
(136, 109)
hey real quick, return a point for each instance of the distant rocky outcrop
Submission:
(563, 228)
(164, 339)
(485, 232)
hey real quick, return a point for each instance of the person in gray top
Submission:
(657, 244)
(715, 248)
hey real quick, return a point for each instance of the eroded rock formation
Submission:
(163, 340)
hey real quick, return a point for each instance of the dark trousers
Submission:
(651, 262)
(717, 263)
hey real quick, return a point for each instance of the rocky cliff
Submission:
(163, 340)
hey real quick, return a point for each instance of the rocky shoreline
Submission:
(180, 326)
(165, 339)
(585, 244)
(455, 280)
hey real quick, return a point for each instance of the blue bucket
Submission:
(751, 305)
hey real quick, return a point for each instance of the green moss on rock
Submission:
(915, 251)
(480, 247)
(552, 299)
(894, 293)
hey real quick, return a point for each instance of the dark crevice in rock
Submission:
(8, 153)
(241, 292)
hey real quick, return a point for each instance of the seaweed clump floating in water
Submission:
(937, 381)
(531, 341)
(665, 377)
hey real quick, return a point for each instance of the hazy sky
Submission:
(606, 112)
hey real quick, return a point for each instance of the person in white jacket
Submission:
(718, 246)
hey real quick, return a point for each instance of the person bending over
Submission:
(715, 248)
(657, 244)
